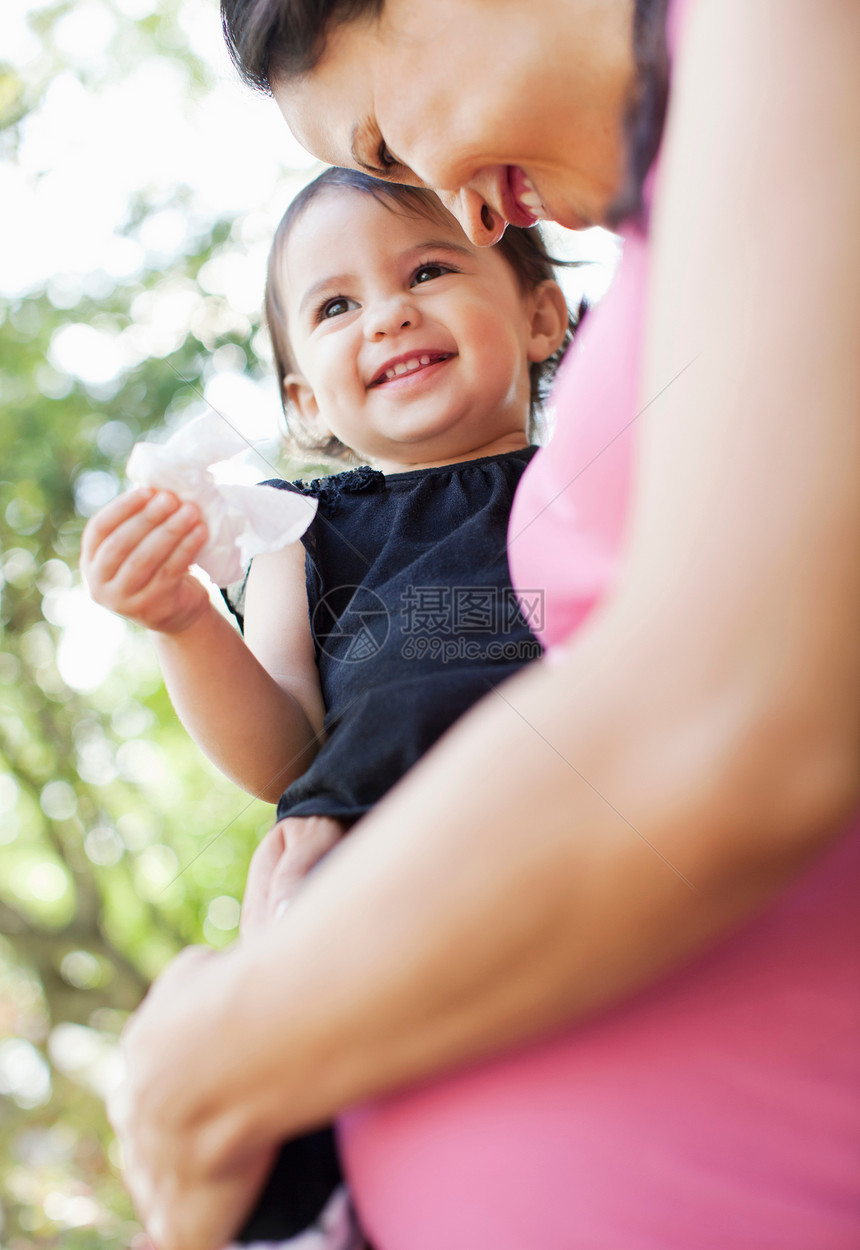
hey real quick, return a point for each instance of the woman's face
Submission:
(511, 112)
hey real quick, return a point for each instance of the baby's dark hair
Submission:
(524, 250)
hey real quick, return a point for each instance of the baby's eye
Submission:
(336, 307)
(428, 272)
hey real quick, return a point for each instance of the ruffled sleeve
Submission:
(328, 491)
(234, 594)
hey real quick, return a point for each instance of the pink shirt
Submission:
(719, 1110)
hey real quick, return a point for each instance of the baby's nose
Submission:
(389, 317)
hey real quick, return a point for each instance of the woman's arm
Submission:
(254, 706)
(597, 821)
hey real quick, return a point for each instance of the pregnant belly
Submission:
(721, 1108)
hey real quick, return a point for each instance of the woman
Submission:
(638, 857)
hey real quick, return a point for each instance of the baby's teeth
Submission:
(406, 366)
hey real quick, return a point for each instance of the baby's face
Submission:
(412, 345)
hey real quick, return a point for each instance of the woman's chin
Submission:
(570, 219)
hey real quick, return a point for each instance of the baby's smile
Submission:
(408, 364)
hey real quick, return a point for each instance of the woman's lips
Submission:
(521, 203)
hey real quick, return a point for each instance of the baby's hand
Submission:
(136, 555)
(280, 864)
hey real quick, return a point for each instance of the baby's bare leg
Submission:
(280, 864)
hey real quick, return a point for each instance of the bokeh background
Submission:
(140, 184)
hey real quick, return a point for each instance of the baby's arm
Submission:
(254, 708)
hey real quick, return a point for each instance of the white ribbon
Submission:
(243, 521)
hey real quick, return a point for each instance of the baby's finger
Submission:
(110, 517)
(308, 840)
(120, 543)
(183, 554)
(149, 541)
(255, 904)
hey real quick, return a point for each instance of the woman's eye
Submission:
(335, 307)
(428, 272)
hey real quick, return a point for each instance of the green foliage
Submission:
(119, 844)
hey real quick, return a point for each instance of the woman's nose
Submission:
(389, 316)
(480, 223)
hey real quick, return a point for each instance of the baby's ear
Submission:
(549, 320)
(299, 395)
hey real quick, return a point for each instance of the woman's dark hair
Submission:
(646, 109)
(524, 250)
(270, 39)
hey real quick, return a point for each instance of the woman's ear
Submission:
(299, 395)
(549, 320)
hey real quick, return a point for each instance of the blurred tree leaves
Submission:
(118, 842)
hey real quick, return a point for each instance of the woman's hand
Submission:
(160, 1111)
(280, 864)
(136, 554)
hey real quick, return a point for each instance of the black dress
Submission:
(414, 619)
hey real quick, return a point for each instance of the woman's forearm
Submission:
(598, 820)
(552, 854)
(248, 724)
(551, 871)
